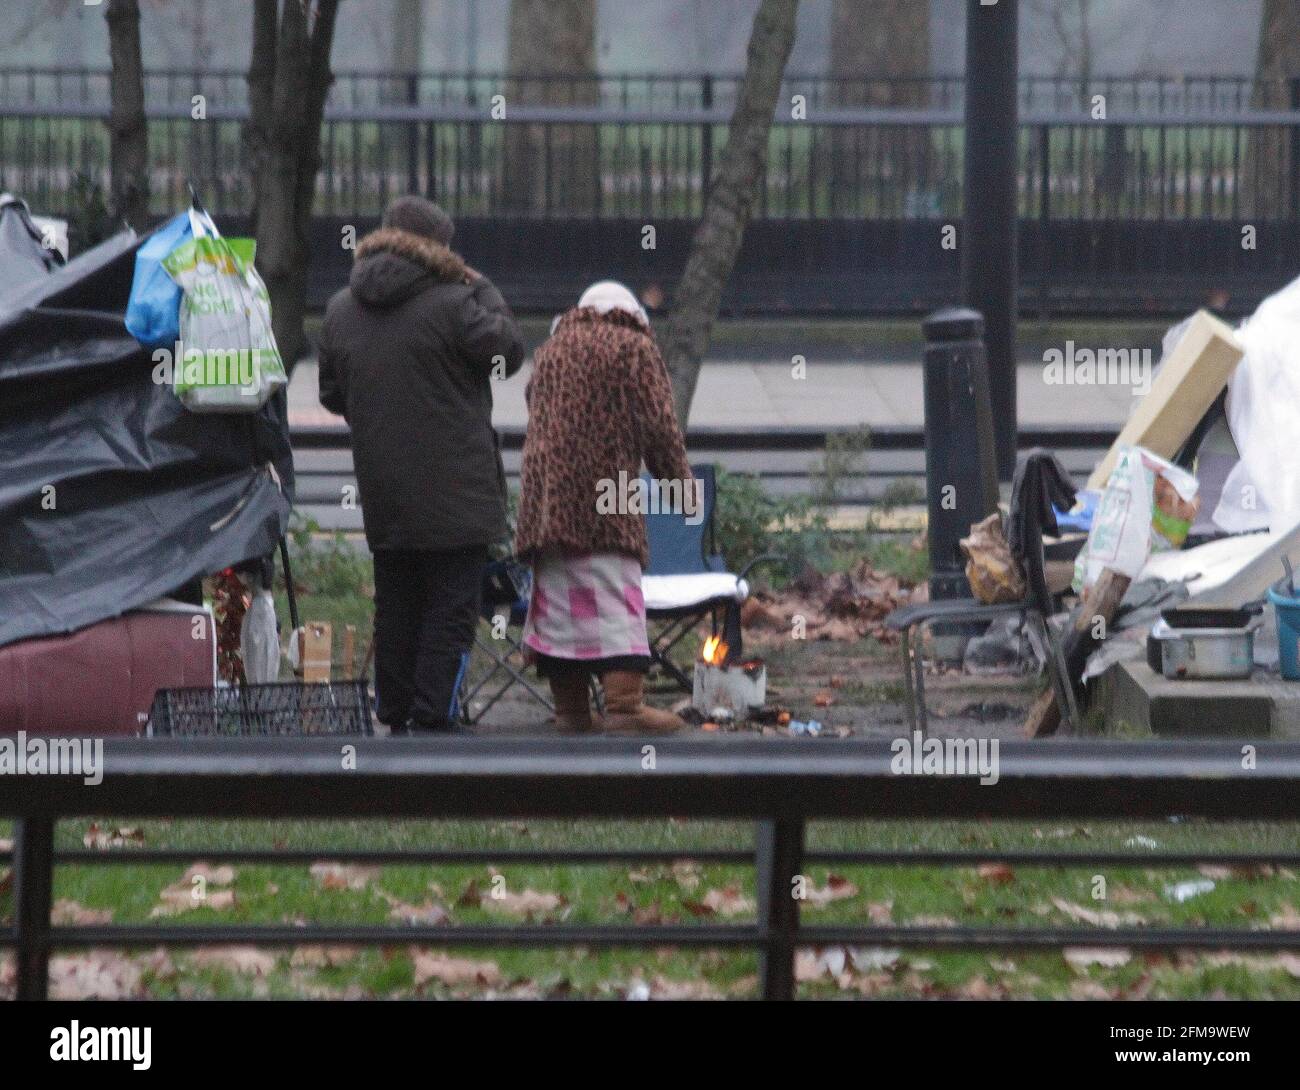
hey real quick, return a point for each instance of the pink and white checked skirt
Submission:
(586, 608)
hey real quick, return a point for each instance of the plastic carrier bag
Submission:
(1148, 506)
(226, 359)
(153, 309)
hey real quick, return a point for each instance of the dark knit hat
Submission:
(420, 217)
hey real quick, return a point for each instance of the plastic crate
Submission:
(279, 709)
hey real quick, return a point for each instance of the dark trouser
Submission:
(426, 612)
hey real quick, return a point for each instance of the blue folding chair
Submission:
(687, 579)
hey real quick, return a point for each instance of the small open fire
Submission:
(720, 683)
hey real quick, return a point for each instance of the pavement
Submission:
(737, 394)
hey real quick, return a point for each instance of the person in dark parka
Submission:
(408, 353)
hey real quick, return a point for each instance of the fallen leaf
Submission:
(70, 912)
(528, 903)
(662, 988)
(320, 957)
(103, 837)
(1288, 918)
(1106, 918)
(343, 875)
(213, 876)
(979, 988)
(453, 970)
(817, 963)
(932, 921)
(1285, 963)
(999, 874)
(881, 912)
(95, 974)
(1089, 989)
(245, 960)
(837, 888)
(1080, 958)
(430, 912)
(729, 901)
(869, 958)
(181, 897)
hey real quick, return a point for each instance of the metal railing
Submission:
(781, 785)
(52, 86)
(590, 162)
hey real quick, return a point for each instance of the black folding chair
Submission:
(506, 587)
(945, 610)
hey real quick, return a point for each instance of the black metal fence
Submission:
(1132, 213)
(539, 162)
(51, 86)
(780, 785)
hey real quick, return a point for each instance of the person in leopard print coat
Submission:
(599, 405)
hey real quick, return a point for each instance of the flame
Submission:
(714, 651)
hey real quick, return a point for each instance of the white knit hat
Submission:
(607, 295)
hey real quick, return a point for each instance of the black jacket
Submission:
(408, 353)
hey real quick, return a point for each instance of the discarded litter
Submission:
(1185, 891)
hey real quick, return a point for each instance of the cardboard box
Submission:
(1189, 380)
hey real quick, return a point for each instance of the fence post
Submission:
(1044, 217)
(778, 847)
(1295, 151)
(413, 135)
(706, 141)
(33, 891)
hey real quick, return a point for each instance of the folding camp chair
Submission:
(688, 580)
(506, 587)
(947, 610)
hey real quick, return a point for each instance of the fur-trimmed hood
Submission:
(392, 265)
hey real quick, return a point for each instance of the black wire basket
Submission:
(274, 709)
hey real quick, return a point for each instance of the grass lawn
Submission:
(684, 893)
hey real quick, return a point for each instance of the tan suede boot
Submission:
(572, 703)
(626, 711)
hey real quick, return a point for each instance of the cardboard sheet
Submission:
(1190, 378)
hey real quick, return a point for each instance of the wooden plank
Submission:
(1189, 380)
(1100, 603)
(317, 649)
(349, 664)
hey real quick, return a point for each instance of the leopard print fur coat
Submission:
(599, 404)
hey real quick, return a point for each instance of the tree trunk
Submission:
(551, 62)
(128, 130)
(1268, 169)
(408, 35)
(880, 57)
(730, 201)
(876, 48)
(288, 81)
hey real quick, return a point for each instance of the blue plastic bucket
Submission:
(1288, 633)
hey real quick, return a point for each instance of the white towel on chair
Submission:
(663, 592)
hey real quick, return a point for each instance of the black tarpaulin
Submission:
(23, 257)
(111, 492)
